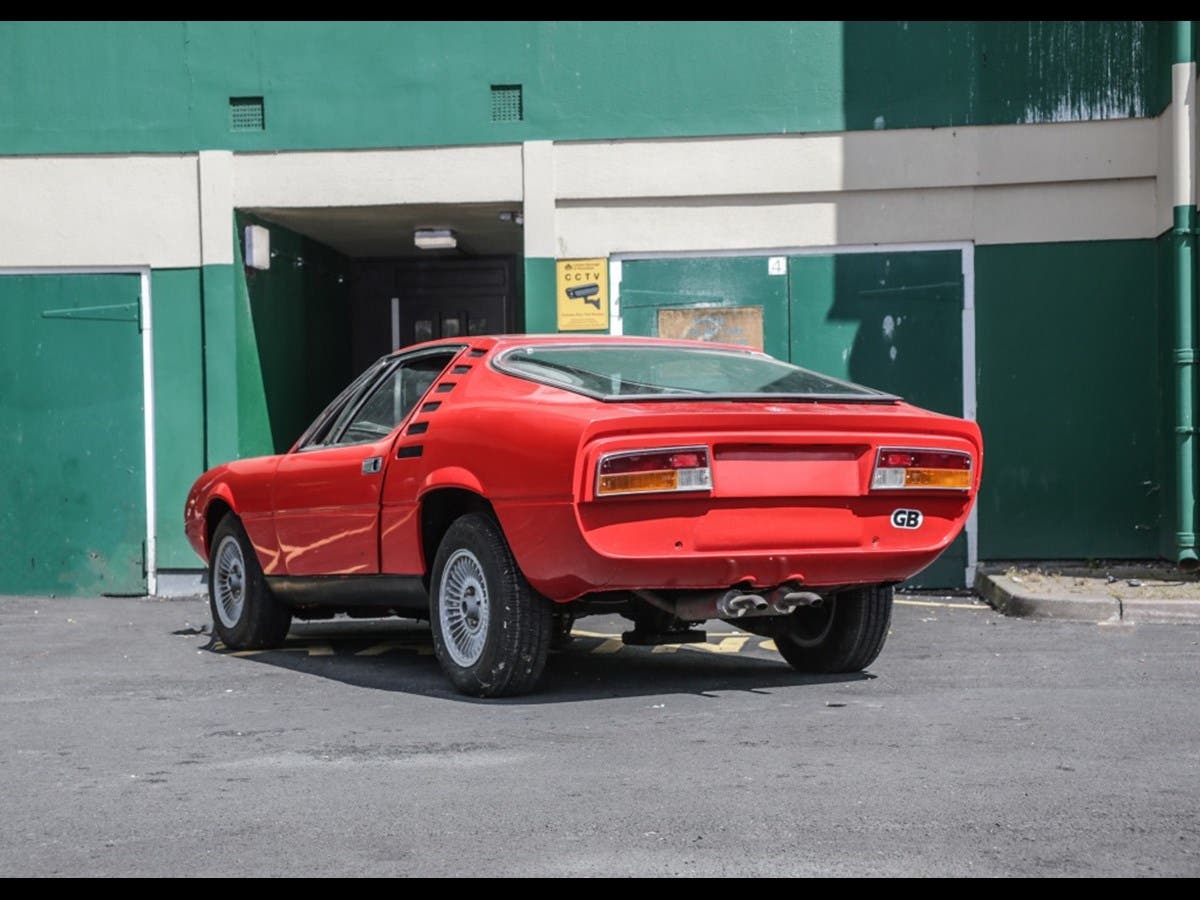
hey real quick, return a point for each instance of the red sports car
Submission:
(503, 486)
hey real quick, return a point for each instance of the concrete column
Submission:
(215, 175)
(540, 236)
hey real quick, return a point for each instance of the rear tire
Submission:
(844, 634)
(246, 616)
(491, 630)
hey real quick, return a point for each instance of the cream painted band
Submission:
(379, 177)
(1079, 211)
(858, 160)
(99, 211)
(1001, 184)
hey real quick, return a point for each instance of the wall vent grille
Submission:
(246, 114)
(507, 103)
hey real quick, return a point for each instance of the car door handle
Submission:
(372, 464)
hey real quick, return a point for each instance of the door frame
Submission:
(967, 256)
(146, 326)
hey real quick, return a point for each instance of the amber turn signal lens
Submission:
(937, 478)
(637, 482)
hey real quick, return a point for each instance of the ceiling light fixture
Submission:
(435, 239)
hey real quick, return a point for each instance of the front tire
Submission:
(491, 630)
(844, 634)
(246, 616)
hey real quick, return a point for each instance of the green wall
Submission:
(117, 87)
(294, 338)
(178, 406)
(540, 285)
(1070, 400)
(919, 74)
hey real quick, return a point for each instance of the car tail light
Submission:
(921, 469)
(652, 471)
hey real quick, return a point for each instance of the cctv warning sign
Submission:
(582, 294)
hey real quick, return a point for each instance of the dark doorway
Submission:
(398, 302)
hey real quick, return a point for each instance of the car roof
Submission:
(504, 341)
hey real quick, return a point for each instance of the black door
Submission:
(399, 302)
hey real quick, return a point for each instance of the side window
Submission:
(394, 398)
(329, 422)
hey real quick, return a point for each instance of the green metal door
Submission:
(731, 299)
(891, 321)
(73, 493)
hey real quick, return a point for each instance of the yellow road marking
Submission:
(311, 650)
(384, 646)
(579, 632)
(725, 645)
(611, 644)
(732, 644)
(943, 605)
(768, 645)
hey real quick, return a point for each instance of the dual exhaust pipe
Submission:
(783, 601)
(735, 603)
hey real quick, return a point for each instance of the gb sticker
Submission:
(907, 518)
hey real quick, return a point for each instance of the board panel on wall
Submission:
(739, 300)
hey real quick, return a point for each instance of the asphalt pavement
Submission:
(977, 745)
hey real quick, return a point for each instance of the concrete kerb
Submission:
(1005, 596)
(1009, 596)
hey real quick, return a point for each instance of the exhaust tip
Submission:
(736, 604)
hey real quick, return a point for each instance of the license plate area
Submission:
(789, 470)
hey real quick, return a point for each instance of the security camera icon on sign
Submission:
(585, 292)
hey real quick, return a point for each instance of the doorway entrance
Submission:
(398, 302)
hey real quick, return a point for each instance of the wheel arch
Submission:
(440, 506)
(219, 505)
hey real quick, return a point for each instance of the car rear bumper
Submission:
(567, 551)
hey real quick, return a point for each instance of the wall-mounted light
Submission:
(515, 217)
(258, 247)
(435, 239)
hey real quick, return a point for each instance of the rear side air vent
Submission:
(507, 103)
(246, 114)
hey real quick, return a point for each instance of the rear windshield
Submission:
(622, 372)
